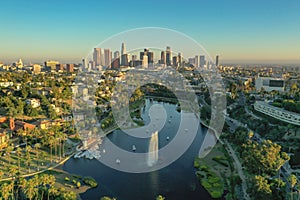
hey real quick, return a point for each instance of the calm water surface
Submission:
(176, 181)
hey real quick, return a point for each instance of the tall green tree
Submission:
(261, 188)
(292, 181)
(264, 158)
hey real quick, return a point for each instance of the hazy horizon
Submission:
(67, 30)
(222, 62)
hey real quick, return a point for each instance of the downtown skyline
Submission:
(240, 32)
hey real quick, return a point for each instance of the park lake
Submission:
(175, 181)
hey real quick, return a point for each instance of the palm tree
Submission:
(48, 140)
(55, 144)
(21, 185)
(12, 173)
(11, 187)
(5, 190)
(51, 191)
(30, 189)
(51, 182)
(61, 137)
(51, 143)
(43, 180)
(43, 155)
(37, 146)
(35, 133)
(37, 182)
(293, 181)
(28, 158)
(56, 141)
(12, 170)
(19, 153)
(9, 149)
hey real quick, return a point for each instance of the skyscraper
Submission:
(192, 61)
(145, 60)
(59, 67)
(179, 59)
(149, 54)
(132, 62)
(217, 60)
(70, 68)
(197, 61)
(162, 58)
(142, 53)
(107, 57)
(168, 56)
(51, 65)
(116, 54)
(115, 63)
(124, 60)
(123, 49)
(36, 68)
(175, 62)
(97, 56)
(91, 65)
(84, 64)
(19, 64)
(150, 58)
(202, 61)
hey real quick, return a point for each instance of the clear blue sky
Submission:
(37, 30)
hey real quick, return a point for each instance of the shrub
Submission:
(216, 194)
(90, 181)
(197, 163)
(205, 184)
(203, 168)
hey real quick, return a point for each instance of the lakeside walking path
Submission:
(239, 169)
(42, 171)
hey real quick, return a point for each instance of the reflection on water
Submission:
(176, 181)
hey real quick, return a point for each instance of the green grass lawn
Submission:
(42, 162)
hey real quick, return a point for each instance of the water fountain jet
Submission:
(153, 149)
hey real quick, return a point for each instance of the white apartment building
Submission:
(269, 84)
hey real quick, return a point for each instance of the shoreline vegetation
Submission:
(217, 174)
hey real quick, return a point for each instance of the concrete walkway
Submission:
(42, 171)
(239, 169)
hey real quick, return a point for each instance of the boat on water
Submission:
(133, 148)
(78, 155)
(168, 138)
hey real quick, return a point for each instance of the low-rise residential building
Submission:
(35, 103)
(48, 123)
(23, 126)
(6, 84)
(3, 140)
